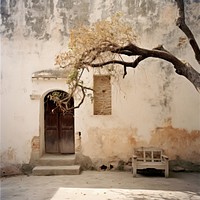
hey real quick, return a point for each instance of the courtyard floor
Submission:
(104, 185)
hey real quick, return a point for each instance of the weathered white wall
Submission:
(151, 106)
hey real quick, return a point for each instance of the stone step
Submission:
(56, 160)
(56, 170)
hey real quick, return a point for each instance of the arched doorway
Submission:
(58, 125)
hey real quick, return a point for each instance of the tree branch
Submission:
(125, 71)
(127, 64)
(81, 101)
(182, 25)
(159, 52)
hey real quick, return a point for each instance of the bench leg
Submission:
(166, 174)
(134, 166)
(134, 172)
(167, 170)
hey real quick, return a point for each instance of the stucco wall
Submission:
(151, 106)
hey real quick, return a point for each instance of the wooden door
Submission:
(59, 129)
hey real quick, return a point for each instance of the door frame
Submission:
(42, 122)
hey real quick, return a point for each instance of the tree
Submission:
(108, 44)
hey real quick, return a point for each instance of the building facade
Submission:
(152, 106)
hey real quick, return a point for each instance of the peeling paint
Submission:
(38, 18)
(72, 13)
(35, 149)
(37, 15)
(9, 155)
(177, 143)
(8, 8)
(35, 143)
(110, 144)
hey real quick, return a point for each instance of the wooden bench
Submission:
(150, 157)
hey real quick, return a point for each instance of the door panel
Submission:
(66, 133)
(66, 142)
(51, 120)
(51, 132)
(51, 141)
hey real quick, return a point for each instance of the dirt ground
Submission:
(108, 185)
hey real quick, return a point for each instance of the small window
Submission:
(102, 95)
